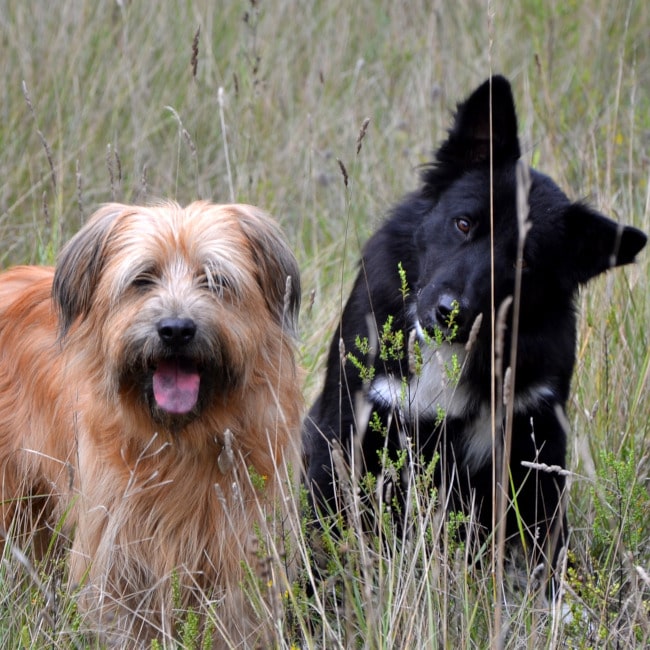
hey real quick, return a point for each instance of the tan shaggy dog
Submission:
(150, 404)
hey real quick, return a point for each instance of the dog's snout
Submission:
(447, 310)
(176, 331)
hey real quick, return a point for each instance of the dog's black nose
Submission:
(176, 331)
(447, 310)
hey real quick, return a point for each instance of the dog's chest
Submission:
(436, 392)
(432, 391)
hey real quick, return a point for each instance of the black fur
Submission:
(440, 235)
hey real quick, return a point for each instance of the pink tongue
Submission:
(176, 386)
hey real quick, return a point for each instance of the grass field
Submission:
(257, 101)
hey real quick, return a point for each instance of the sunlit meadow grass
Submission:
(123, 100)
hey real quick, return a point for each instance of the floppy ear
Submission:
(596, 243)
(80, 265)
(278, 275)
(487, 118)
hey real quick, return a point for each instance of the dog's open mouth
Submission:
(176, 385)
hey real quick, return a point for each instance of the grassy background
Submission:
(99, 101)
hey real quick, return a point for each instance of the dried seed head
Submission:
(344, 171)
(195, 52)
(413, 361)
(499, 342)
(473, 334)
(507, 387)
(226, 458)
(362, 133)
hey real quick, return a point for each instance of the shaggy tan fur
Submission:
(151, 494)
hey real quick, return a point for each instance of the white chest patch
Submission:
(478, 440)
(435, 392)
(430, 392)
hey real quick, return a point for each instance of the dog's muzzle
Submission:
(176, 379)
(445, 312)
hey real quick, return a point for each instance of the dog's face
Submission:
(177, 302)
(474, 177)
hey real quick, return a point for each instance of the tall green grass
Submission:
(102, 101)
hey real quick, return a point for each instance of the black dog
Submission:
(422, 319)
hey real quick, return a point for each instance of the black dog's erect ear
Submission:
(596, 243)
(486, 119)
(469, 138)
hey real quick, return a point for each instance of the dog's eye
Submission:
(204, 282)
(143, 281)
(214, 282)
(463, 225)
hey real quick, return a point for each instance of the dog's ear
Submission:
(278, 276)
(484, 130)
(596, 243)
(80, 264)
